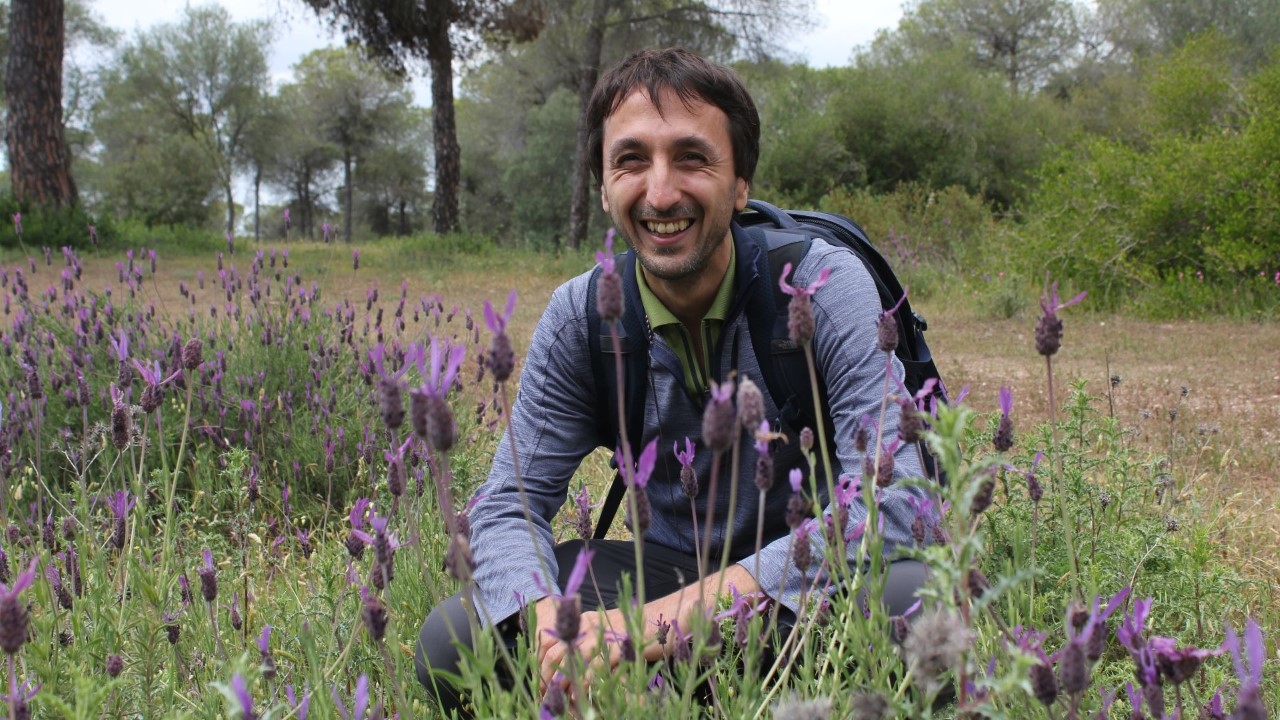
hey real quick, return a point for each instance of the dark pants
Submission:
(448, 627)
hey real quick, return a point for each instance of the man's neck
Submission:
(690, 298)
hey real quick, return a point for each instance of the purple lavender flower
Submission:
(719, 419)
(1248, 664)
(1049, 326)
(17, 223)
(750, 405)
(374, 614)
(300, 708)
(887, 327)
(764, 460)
(264, 649)
(1034, 490)
(355, 259)
(1004, 430)
(609, 302)
(582, 513)
(637, 479)
(1178, 664)
(800, 323)
(244, 697)
(501, 359)
(688, 478)
(120, 503)
(18, 700)
(359, 703)
(797, 507)
(568, 604)
(115, 665)
(13, 613)
(432, 417)
(208, 578)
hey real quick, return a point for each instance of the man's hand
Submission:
(679, 606)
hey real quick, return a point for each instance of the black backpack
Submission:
(788, 234)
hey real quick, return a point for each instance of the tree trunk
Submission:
(404, 219)
(346, 192)
(39, 161)
(257, 204)
(444, 210)
(231, 208)
(580, 203)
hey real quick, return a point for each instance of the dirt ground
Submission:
(1205, 394)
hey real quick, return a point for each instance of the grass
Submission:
(1191, 518)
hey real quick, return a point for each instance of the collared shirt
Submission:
(663, 322)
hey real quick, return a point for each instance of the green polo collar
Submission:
(664, 322)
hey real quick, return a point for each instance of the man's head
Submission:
(674, 141)
(691, 78)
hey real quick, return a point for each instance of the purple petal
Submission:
(264, 640)
(782, 281)
(579, 572)
(644, 468)
(1006, 399)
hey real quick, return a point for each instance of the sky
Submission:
(840, 26)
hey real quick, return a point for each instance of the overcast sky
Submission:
(841, 25)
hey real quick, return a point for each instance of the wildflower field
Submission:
(234, 480)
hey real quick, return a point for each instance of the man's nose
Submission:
(663, 190)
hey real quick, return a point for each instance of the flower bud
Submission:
(1097, 642)
(609, 296)
(800, 324)
(1044, 685)
(1048, 334)
(442, 431)
(806, 439)
(568, 618)
(797, 510)
(986, 493)
(750, 405)
(374, 614)
(887, 333)
(1003, 439)
(208, 584)
(115, 665)
(910, 421)
(643, 517)
(719, 423)
(802, 552)
(151, 398)
(1073, 671)
(501, 359)
(390, 405)
(978, 583)
(192, 354)
(124, 376)
(764, 472)
(554, 702)
(121, 426)
(689, 482)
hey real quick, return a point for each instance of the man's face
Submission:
(669, 183)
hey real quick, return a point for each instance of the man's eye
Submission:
(693, 157)
(625, 160)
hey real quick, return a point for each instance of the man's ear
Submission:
(604, 199)
(740, 197)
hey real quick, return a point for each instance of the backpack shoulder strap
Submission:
(633, 342)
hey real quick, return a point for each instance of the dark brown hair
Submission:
(692, 78)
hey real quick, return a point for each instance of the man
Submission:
(674, 143)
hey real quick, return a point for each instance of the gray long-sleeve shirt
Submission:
(553, 428)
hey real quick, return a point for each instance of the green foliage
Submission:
(52, 228)
(537, 179)
(1198, 196)
(801, 157)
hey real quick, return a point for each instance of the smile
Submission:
(667, 228)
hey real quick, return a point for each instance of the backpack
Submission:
(788, 235)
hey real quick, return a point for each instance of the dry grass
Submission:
(1223, 445)
(1221, 441)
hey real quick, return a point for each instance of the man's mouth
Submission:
(667, 228)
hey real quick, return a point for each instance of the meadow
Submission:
(207, 513)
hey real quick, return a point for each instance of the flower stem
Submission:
(173, 482)
(1068, 527)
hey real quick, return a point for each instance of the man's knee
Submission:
(446, 629)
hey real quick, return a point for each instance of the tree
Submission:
(393, 31)
(206, 75)
(392, 176)
(301, 159)
(39, 160)
(1023, 40)
(353, 100)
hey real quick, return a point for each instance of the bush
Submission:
(41, 227)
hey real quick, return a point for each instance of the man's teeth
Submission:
(667, 228)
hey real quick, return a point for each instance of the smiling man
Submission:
(674, 141)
